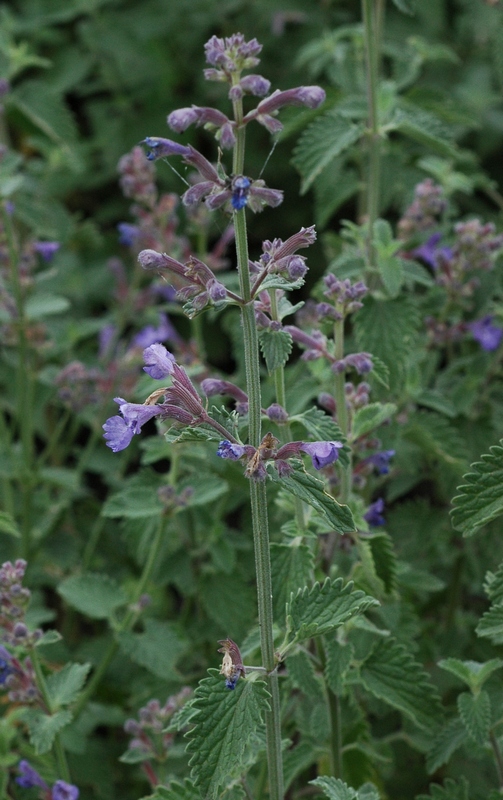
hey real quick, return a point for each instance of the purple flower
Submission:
(120, 430)
(240, 188)
(430, 253)
(322, 453)
(485, 333)
(64, 791)
(381, 461)
(374, 513)
(5, 665)
(150, 335)
(46, 249)
(160, 148)
(230, 450)
(159, 362)
(127, 233)
(29, 777)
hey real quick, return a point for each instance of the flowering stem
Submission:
(342, 411)
(371, 16)
(258, 495)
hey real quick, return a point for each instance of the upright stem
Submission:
(258, 495)
(346, 473)
(63, 770)
(372, 20)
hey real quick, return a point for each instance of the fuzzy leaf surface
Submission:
(276, 347)
(451, 790)
(64, 686)
(473, 673)
(323, 608)
(45, 727)
(291, 566)
(391, 674)
(97, 596)
(157, 648)
(225, 723)
(312, 491)
(491, 624)
(327, 137)
(445, 742)
(475, 711)
(336, 789)
(481, 497)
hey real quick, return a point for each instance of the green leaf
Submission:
(473, 673)
(8, 524)
(445, 742)
(49, 637)
(392, 274)
(301, 673)
(425, 128)
(436, 437)
(47, 110)
(387, 329)
(228, 600)
(157, 649)
(224, 725)
(323, 428)
(336, 789)
(45, 305)
(406, 6)
(481, 497)
(368, 418)
(475, 711)
(323, 608)
(491, 624)
(291, 567)
(392, 675)
(339, 657)
(175, 791)
(64, 686)
(451, 790)
(276, 347)
(94, 595)
(45, 727)
(133, 502)
(312, 491)
(327, 137)
(384, 558)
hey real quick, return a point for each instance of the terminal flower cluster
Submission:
(148, 731)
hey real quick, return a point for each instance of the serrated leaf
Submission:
(327, 137)
(338, 660)
(475, 712)
(46, 110)
(335, 788)
(312, 491)
(64, 686)
(451, 790)
(491, 624)
(94, 595)
(224, 725)
(291, 566)
(384, 557)
(493, 585)
(323, 608)
(301, 672)
(473, 673)
(481, 497)
(425, 128)
(229, 600)
(175, 791)
(299, 759)
(157, 649)
(8, 524)
(45, 727)
(387, 329)
(436, 437)
(445, 742)
(391, 272)
(368, 418)
(392, 675)
(276, 347)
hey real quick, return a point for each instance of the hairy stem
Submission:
(258, 495)
(372, 21)
(64, 772)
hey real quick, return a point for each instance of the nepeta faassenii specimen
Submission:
(263, 305)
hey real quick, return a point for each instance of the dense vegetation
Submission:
(280, 252)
